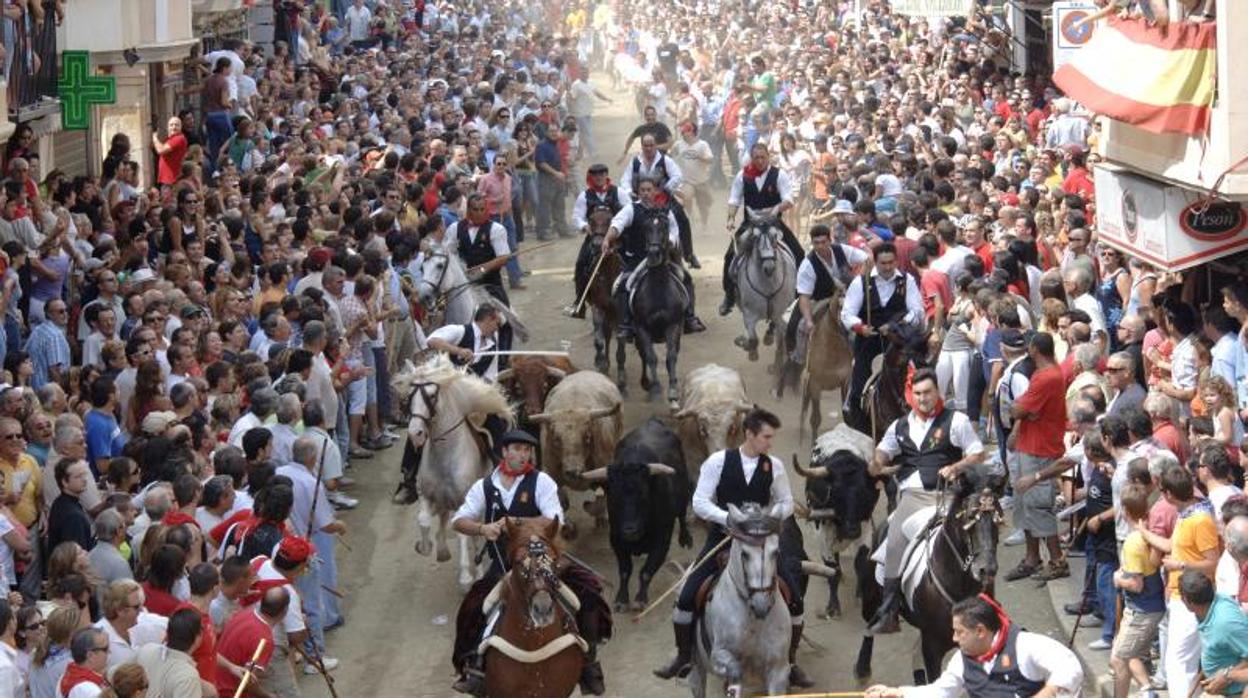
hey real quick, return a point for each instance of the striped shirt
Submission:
(47, 347)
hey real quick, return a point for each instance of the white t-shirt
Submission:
(293, 622)
(358, 19)
(6, 553)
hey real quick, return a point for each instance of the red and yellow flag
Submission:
(1160, 81)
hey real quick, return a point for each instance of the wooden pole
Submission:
(247, 674)
(590, 284)
(681, 582)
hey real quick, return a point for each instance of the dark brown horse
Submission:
(599, 295)
(535, 651)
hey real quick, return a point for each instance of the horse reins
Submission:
(431, 400)
(754, 541)
(943, 534)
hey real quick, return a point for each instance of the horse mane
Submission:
(464, 389)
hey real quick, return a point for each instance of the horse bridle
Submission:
(539, 563)
(967, 517)
(755, 542)
(431, 400)
(443, 297)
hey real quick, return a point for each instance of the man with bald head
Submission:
(1079, 284)
(1131, 329)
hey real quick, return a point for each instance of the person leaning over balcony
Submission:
(217, 106)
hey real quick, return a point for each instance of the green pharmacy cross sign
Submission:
(79, 89)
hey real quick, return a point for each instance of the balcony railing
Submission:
(31, 59)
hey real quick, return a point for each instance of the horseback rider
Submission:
(482, 243)
(599, 193)
(829, 265)
(892, 297)
(516, 488)
(462, 343)
(997, 658)
(765, 191)
(735, 476)
(652, 163)
(629, 225)
(929, 443)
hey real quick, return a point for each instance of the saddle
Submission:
(633, 280)
(705, 591)
(917, 529)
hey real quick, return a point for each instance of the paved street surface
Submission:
(400, 607)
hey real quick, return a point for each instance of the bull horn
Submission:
(815, 569)
(743, 406)
(557, 373)
(661, 469)
(682, 413)
(812, 473)
(595, 475)
(505, 375)
(599, 412)
(539, 417)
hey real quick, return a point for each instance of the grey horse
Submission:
(743, 635)
(766, 276)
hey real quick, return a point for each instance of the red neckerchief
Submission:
(589, 182)
(256, 591)
(661, 199)
(752, 173)
(998, 642)
(75, 674)
(177, 518)
(505, 468)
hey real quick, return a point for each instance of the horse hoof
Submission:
(637, 605)
(621, 606)
(753, 355)
(601, 366)
(424, 547)
(741, 341)
(832, 611)
(769, 337)
(862, 673)
(444, 555)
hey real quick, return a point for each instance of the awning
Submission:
(1171, 227)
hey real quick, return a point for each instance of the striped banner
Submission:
(1134, 73)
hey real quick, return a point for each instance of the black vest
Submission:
(1005, 680)
(633, 238)
(659, 173)
(468, 341)
(732, 487)
(609, 200)
(936, 451)
(825, 285)
(766, 197)
(523, 504)
(476, 252)
(893, 310)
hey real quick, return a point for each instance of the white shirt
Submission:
(12, 683)
(581, 99)
(305, 487)
(1039, 658)
(674, 174)
(545, 494)
(1088, 304)
(736, 196)
(358, 19)
(1010, 388)
(244, 423)
(854, 296)
(120, 649)
(806, 270)
(961, 434)
(704, 504)
(454, 334)
(580, 209)
(952, 261)
(283, 442)
(695, 159)
(498, 237)
(624, 218)
(293, 622)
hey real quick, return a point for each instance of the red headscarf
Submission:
(589, 182)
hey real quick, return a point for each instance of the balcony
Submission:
(1190, 161)
(157, 29)
(32, 48)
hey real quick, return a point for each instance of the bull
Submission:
(530, 379)
(580, 426)
(712, 402)
(840, 495)
(648, 491)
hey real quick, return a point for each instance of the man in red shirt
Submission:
(172, 151)
(1040, 418)
(1078, 180)
(243, 633)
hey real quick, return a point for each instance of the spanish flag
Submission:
(1160, 81)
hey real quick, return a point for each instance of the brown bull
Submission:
(530, 379)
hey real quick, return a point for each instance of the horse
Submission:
(535, 650)
(884, 396)
(599, 295)
(446, 406)
(744, 632)
(959, 549)
(766, 282)
(829, 360)
(444, 285)
(658, 304)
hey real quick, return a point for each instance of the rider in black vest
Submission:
(516, 488)
(843, 259)
(998, 659)
(630, 226)
(775, 196)
(723, 481)
(476, 237)
(460, 342)
(865, 314)
(927, 444)
(667, 174)
(599, 193)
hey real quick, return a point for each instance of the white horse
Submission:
(766, 284)
(445, 282)
(447, 406)
(746, 621)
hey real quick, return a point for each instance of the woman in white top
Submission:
(1220, 403)
(795, 161)
(1183, 326)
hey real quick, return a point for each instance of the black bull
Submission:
(648, 491)
(841, 496)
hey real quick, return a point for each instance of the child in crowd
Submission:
(1144, 598)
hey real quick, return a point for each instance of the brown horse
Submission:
(605, 320)
(535, 651)
(829, 360)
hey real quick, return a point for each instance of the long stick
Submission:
(589, 284)
(247, 675)
(521, 352)
(842, 694)
(315, 661)
(681, 582)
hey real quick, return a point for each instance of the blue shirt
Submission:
(1223, 639)
(47, 347)
(1230, 360)
(103, 436)
(991, 351)
(547, 152)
